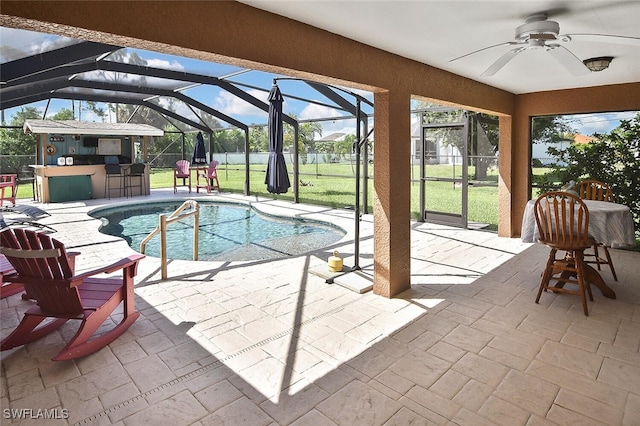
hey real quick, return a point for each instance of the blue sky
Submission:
(588, 124)
(13, 41)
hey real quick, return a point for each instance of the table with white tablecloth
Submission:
(609, 223)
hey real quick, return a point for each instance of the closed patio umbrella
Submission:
(199, 151)
(277, 178)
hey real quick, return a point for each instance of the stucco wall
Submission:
(234, 33)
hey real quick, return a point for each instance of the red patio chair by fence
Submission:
(44, 269)
(208, 179)
(181, 171)
(8, 188)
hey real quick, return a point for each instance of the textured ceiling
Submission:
(435, 32)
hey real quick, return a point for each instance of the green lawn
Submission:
(334, 185)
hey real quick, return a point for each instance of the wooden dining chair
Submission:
(45, 269)
(563, 225)
(592, 189)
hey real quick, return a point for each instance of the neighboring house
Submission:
(437, 152)
(539, 150)
(333, 137)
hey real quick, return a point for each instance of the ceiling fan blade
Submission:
(568, 60)
(501, 62)
(483, 49)
(601, 38)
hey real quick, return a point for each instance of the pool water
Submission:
(227, 232)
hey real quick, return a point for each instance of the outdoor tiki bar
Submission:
(72, 158)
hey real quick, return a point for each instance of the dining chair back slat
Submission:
(592, 189)
(596, 190)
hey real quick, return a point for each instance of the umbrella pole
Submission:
(296, 165)
(356, 251)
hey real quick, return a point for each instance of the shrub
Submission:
(613, 158)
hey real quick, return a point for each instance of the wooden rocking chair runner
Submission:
(181, 171)
(563, 224)
(599, 191)
(43, 267)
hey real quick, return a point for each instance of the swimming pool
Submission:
(227, 231)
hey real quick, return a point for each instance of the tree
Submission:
(15, 145)
(230, 140)
(93, 107)
(63, 114)
(482, 142)
(550, 129)
(258, 139)
(613, 158)
(306, 137)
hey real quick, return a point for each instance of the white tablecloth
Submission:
(609, 223)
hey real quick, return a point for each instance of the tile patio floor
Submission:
(268, 343)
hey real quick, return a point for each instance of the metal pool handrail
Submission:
(162, 229)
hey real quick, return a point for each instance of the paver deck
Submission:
(269, 343)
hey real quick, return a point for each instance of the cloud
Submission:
(20, 43)
(235, 106)
(164, 64)
(588, 124)
(312, 111)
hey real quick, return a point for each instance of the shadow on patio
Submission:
(265, 343)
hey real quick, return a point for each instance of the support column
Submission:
(505, 183)
(392, 194)
(514, 168)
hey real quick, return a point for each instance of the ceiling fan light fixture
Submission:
(598, 64)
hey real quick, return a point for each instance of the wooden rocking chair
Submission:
(44, 268)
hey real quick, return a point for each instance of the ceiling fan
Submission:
(539, 33)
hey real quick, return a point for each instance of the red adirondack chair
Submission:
(7, 288)
(43, 267)
(8, 188)
(181, 171)
(208, 179)
(6, 269)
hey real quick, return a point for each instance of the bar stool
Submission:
(135, 171)
(113, 171)
(26, 175)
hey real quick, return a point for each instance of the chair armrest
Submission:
(121, 264)
(72, 260)
(76, 280)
